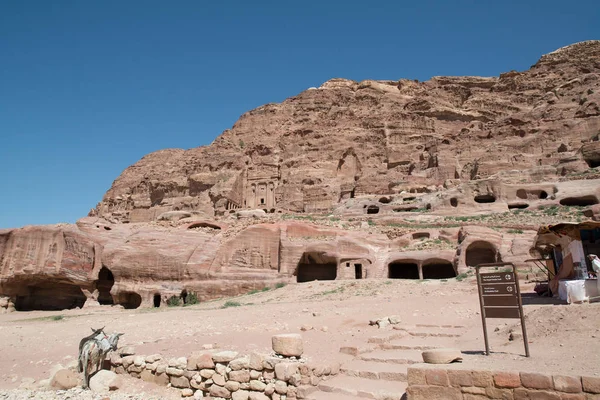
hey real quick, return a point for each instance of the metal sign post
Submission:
(500, 297)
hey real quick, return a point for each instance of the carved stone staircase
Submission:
(378, 370)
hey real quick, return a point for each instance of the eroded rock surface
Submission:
(351, 180)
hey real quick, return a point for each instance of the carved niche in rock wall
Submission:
(260, 184)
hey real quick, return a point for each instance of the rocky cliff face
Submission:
(346, 139)
(384, 179)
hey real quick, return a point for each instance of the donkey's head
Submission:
(113, 339)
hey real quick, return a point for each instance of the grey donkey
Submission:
(93, 353)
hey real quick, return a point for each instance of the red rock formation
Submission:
(375, 155)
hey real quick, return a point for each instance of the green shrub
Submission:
(57, 318)
(462, 276)
(265, 289)
(242, 144)
(173, 301)
(518, 231)
(253, 291)
(191, 299)
(230, 303)
(279, 285)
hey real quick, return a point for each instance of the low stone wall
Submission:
(454, 384)
(227, 374)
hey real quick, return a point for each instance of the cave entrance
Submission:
(49, 296)
(130, 300)
(481, 252)
(485, 198)
(438, 269)
(105, 282)
(358, 272)
(156, 300)
(582, 201)
(372, 209)
(316, 266)
(403, 270)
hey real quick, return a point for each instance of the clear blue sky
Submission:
(88, 87)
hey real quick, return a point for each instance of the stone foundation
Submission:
(227, 374)
(453, 384)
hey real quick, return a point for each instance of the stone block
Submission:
(591, 384)
(240, 363)
(572, 396)
(543, 395)
(507, 380)
(268, 375)
(533, 380)
(284, 371)
(224, 356)
(289, 345)
(255, 374)
(421, 392)
(220, 391)
(187, 392)
(416, 376)
(180, 382)
(147, 376)
(281, 387)
(257, 396)
(257, 386)
(437, 377)
(568, 384)
(205, 361)
(474, 390)
(153, 358)
(495, 393)
(460, 378)
(256, 361)
(232, 386)
(174, 371)
(482, 378)
(207, 373)
(239, 376)
(240, 395)
(270, 389)
(161, 379)
(218, 379)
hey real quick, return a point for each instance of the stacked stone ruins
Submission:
(350, 180)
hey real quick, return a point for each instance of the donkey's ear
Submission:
(120, 334)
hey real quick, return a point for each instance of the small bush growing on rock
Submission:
(230, 303)
(57, 318)
(253, 291)
(173, 301)
(191, 299)
(279, 285)
(265, 289)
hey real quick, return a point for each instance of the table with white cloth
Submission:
(577, 290)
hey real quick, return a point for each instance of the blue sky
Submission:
(89, 87)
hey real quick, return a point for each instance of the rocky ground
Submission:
(329, 315)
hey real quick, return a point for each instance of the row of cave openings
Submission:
(55, 296)
(316, 266)
(533, 194)
(48, 295)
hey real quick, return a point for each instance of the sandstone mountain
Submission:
(346, 139)
(351, 180)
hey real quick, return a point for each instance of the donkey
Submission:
(97, 334)
(94, 352)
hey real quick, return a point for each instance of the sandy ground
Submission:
(562, 338)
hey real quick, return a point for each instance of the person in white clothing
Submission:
(595, 263)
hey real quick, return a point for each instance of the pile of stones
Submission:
(230, 375)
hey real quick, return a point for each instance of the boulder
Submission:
(289, 345)
(442, 356)
(64, 379)
(105, 380)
